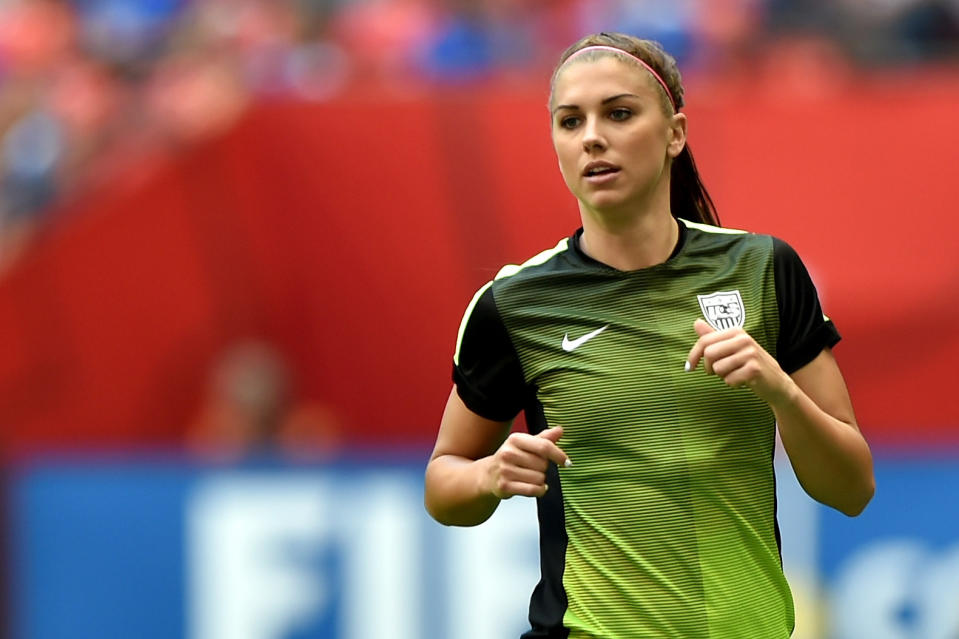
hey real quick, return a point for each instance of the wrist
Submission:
(485, 486)
(783, 394)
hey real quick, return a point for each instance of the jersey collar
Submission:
(581, 255)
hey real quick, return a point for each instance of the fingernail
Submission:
(546, 490)
(687, 367)
(567, 463)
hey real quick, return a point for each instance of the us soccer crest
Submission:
(723, 309)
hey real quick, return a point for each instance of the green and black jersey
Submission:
(665, 524)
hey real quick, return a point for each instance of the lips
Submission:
(598, 168)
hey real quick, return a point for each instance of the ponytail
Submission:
(688, 197)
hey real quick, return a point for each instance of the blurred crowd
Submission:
(88, 85)
(251, 407)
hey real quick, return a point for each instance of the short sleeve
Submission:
(804, 331)
(486, 369)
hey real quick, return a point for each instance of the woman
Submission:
(655, 484)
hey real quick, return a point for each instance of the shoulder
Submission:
(483, 310)
(785, 255)
(733, 235)
(538, 273)
(769, 249)
(544, 261)
(711, 239)
(710, 230)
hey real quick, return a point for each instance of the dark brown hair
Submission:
(688, 197)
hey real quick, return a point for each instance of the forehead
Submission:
(584, 80)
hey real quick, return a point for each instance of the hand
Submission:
(519, 466)
(734, 355)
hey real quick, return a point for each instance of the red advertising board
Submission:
(352, 235)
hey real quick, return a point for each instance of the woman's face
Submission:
(612, 138)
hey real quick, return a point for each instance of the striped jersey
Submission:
(665, 524)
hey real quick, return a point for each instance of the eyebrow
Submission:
(611, 98)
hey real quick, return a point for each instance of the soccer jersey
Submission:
(665, 524)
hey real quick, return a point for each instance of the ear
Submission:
(677, 134)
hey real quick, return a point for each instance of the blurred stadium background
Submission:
(237, 236)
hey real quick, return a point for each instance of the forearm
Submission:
(830, 457)
(457, 492)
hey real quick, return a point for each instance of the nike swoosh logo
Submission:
(570, 345)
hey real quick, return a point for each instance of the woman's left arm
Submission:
(818, 429)
(816, 421)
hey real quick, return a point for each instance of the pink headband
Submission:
(602, 47)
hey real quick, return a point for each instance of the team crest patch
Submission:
(723, 309)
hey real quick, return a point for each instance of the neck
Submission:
(644, 242)
(633, 239)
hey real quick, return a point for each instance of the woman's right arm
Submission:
(475, 464)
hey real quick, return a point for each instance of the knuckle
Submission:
(545, 449)
(538, 464)
(509, 455)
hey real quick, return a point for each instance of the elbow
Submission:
(453, 515)
(431, 500)
(450, 510)
(433, 504)
(436, 512)
(430, 509)
(859, 498)
(438, 517)
(860, 489)
(448, 518)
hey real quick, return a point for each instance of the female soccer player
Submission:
(654, 354)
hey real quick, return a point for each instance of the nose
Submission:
(593, 139)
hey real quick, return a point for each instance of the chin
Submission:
(604, 205)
